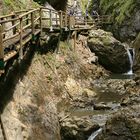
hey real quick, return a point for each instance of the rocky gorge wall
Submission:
(124, 14)
(7, 6)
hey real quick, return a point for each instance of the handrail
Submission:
(29, 12)
(25, 22)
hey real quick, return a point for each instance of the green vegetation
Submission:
(119, 9)
(14, 5)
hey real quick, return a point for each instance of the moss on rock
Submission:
(15, 5)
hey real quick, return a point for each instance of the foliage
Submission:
(14, 5)
(119, 9)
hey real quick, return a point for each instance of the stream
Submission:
(105, 98)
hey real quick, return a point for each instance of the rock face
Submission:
(74, 128)
(111, 53)
(123, 126)
(136, 46)
(125, 16)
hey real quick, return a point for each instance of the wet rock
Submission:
(124, 125)
(111, 53)
(137, 53)
(101, 106)
(74, 128)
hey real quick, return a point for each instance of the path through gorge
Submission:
(73, 87)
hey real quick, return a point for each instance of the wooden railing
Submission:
(16, 27)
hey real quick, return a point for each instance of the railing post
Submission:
(56, 19)
(51, 28)
(33, 27)
(75, 36)
(27, 22)
(71, 22)
(32, 24)
(40, 13)
(61, 19)
(13, 23)
(1, 51)
(21, 34)
(66, 22)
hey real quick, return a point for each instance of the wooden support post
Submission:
(75, 36)
(71, 22)
(51, 28)
(56, 19)
(61, 19)
(21, 35)
(86, 20)
(66, 22)
(1, 51)
(40, 13)
(27, 21)
(13, 23)
(32, 24)
(33, 28)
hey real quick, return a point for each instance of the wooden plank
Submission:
(12, 27)
(11, 37)
(9, 55)
(8, 20)
(29, 12)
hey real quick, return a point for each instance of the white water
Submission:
(95, 134)
(131, 60)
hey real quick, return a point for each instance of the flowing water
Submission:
(131, 60)
(95, 134)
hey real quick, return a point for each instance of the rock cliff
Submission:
(111, 52)
(125, 16)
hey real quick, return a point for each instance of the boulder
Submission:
(111, 53)
(75, 128)
(124, 125)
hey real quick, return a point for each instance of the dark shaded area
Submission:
(57, 4)
(122, 126)
(14, 72)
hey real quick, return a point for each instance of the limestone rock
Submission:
(73, 128)
(136, 46)
(123, 125)
(111, 53)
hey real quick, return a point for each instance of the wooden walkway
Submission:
(19, 28)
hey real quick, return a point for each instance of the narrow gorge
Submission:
(78, 82)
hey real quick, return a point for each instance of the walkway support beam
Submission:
(1, 51)
(21, 35)
(32, 23)
(40, 21)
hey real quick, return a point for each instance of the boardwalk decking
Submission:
(21, 27)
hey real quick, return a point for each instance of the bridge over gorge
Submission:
(21, 27)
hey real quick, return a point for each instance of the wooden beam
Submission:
(32, 23)
(51, 28)
(40, 21)
(56, 18)
(75, 36)
(21, 35)
(1, 51)
(61, 19)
